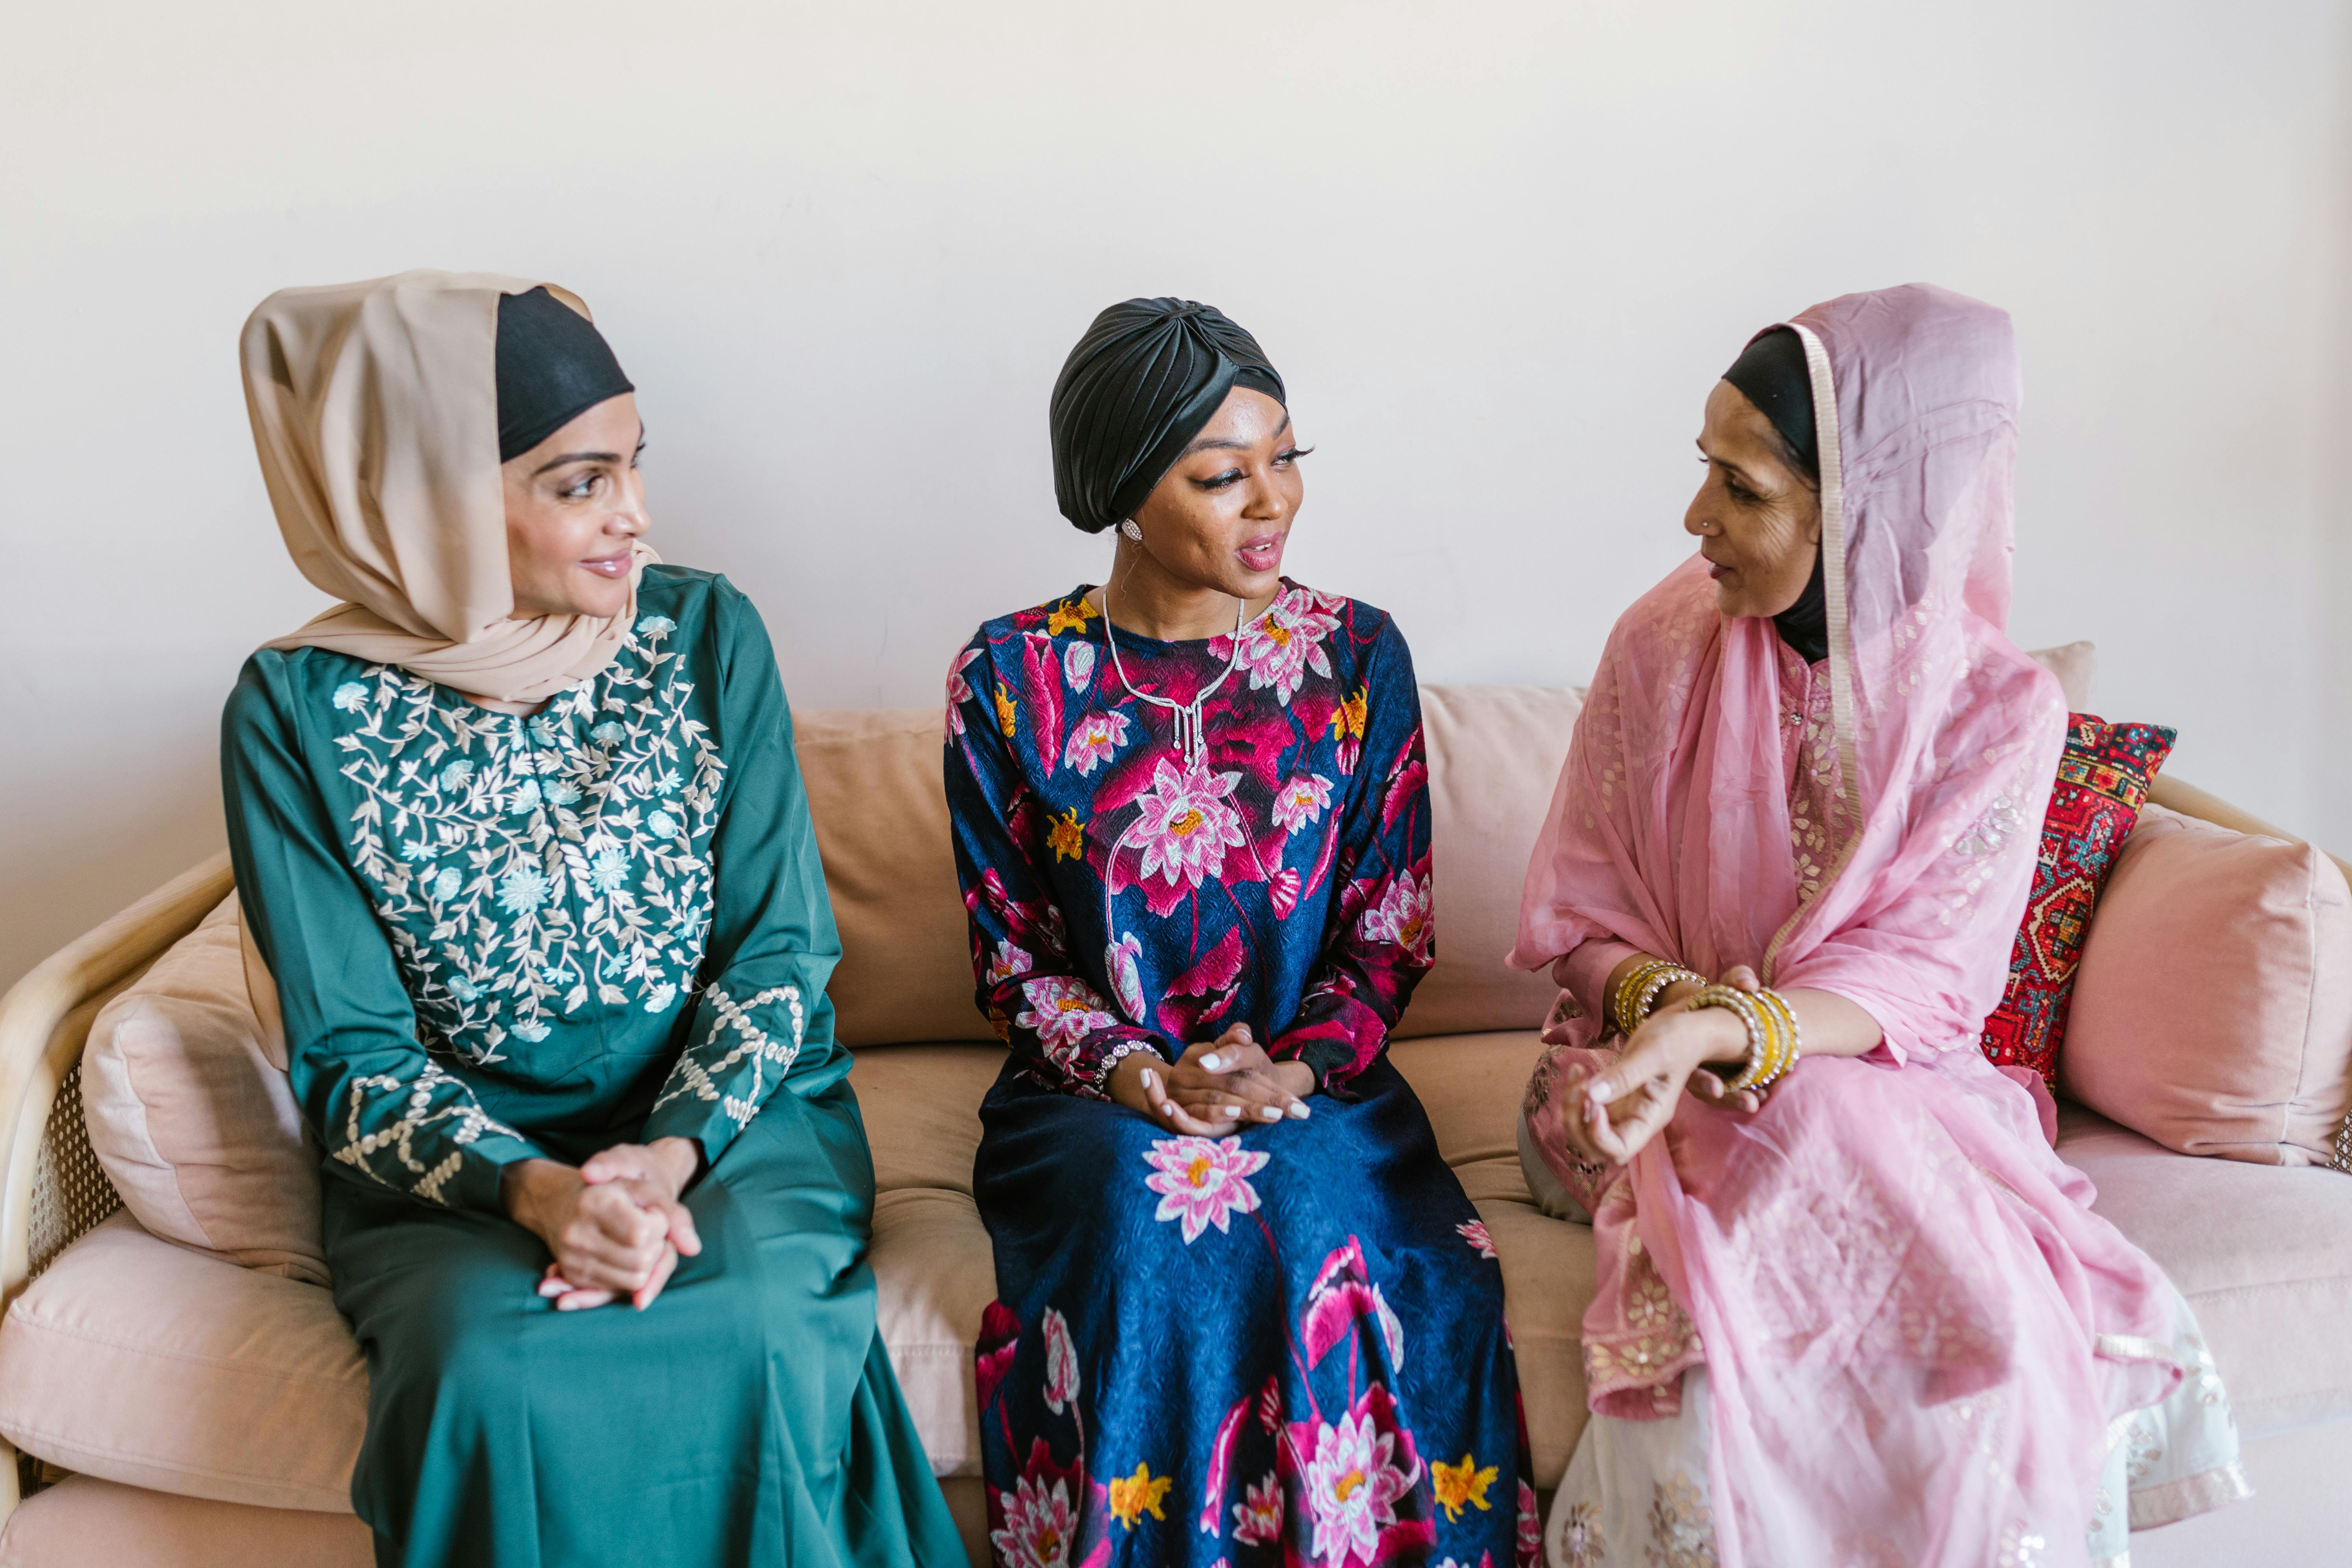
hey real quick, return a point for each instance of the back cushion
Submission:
(2213, 1005)
(193, 1123)
(881, 813)
(1494, 754)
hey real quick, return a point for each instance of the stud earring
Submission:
(1128, 529)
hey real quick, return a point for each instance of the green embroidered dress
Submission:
(497, 937)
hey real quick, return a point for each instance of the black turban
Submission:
(1139, 385)
(553, 366)
(1772, 373)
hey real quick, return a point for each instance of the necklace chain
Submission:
(1187, 715)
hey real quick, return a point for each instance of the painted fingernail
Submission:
(1148, 1079)
(1269, 1114)
(1211, 1062)
(1299, 1111)
(1230, 1110)
(1602, 1091)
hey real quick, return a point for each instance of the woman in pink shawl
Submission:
(1857, 1313)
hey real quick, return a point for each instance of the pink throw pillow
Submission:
(2213, 1005)
(193, 1122)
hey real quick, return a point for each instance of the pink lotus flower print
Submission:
(1202, 1181)
(1036, 1524)
(1061, 1364)
(1354, 1472)
(1530, 1551)
(1063, 1011)
(1185, 825)
(1220, 1462)
(1079, 665)
(1120, 959)
(959, 688)
(1474, 1231)
(1281, 645)
(999, 1336)
(1097, 739)
(1298, 804)
(1009, 964)
(1402, 916)
(1392, 1328)
(1342, 1293)
(1258, 1518)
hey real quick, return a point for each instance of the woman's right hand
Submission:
(610, 1238)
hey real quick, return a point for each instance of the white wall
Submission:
(1498, 251)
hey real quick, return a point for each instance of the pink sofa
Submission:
(172, 1408)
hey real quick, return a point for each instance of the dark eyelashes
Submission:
(1232, 476)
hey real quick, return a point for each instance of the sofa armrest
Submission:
(51, 1188)
(2178, 795)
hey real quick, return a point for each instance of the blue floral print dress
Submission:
(499, 937)
(1284, 1346)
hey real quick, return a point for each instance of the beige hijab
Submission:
(375, 413)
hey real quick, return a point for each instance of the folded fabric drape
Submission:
(375, 414)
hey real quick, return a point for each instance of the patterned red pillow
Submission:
(2103, 779)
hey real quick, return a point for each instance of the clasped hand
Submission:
(614, 1223)
(1215, 1086)
(1610, 1115)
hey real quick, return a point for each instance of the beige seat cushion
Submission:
(195, 1125)
(931, 1257)
(2263, 1255)
(137, 1361)
(83, 1522)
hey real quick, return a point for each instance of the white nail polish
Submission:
(1299, 1111)
(1148, 1079)
(1269, 1113)
(1230, 1110)
(1211, 1062)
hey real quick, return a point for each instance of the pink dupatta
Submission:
(1915, 1330)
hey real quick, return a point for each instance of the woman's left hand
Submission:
(1625, 1104)
(656, 1173)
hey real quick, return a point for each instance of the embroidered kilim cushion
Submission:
(2103, 779)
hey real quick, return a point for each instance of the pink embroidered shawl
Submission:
(1915, 1330)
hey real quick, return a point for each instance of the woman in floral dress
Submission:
(519, 832)
(1246, 1314)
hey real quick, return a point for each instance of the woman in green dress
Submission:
(520, 833)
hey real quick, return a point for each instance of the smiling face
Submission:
(1757, 517)
(1219, 516)
(575, 504)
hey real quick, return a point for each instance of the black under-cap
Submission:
(1145, 379)
(553, 366)
(1771, 373)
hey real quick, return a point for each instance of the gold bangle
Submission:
(1637, 996)
(1762, 1030)
(1621, 1001)
(1792, 1034)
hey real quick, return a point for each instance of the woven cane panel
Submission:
(70, 1192)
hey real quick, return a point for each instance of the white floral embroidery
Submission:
(432, 1098)
(700, 1064)
(524, 866)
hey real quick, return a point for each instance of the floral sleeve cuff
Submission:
(1093, 1082)
(430, 1138)
(721, 1080)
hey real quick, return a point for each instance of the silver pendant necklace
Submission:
(1186, 716)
